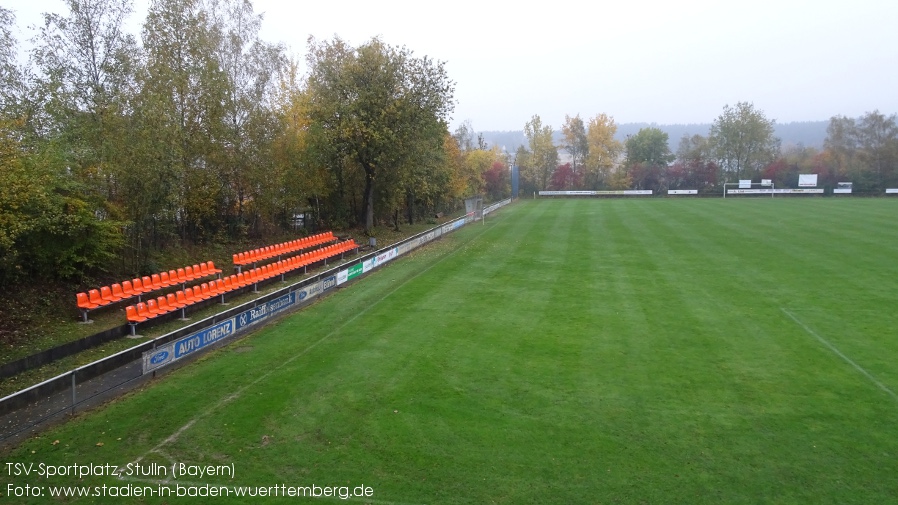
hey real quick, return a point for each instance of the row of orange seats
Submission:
(184, 298)
(107, 295)
(264, 253)
(303, 260)
(181, 299)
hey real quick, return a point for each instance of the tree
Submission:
(842, 145)
(603, 151)
(565, 178)
(379, 106)
(181, 113)
(878, 140)
(543, 156)
(648, 155)
(17, 103)
(454, 160)
(298, 164)
(47, 229)
(86, 62)
(86, 56)
(250, 67)
(742, 140)
(9, 71)
(694, 148)
(522, 160)
(464, 135)
(498, 181)
(649, 146)
(863, 150)
(694, 167)
(575, 141)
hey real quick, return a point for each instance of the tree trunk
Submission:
(369, 200)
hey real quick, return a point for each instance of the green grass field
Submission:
(569, 351)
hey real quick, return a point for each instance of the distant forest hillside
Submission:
(806, 133)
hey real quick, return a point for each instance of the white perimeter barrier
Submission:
(625, 192)
(767, 191)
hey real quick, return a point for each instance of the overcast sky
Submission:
(638, 61)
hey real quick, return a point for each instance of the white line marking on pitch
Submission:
(174, 436)
(839, 353)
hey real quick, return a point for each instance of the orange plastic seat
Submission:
(212, 270)
(128, 289)
(84, 302)
(107, 296)
(153, 308)
(144, 311)
(172, 301)
(191, 296)
(132, 315)
(147, 284)
(162, 303)
(181, 298)
(94, 296)
(118, 292)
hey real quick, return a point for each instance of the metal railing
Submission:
(79, 389)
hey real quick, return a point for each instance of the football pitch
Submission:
(566, 351)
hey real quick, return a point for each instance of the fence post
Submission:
(74, 392)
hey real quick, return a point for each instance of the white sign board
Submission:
(768, 191)
(744, 183)
(682, 191)
(807, 180)
(842, 191)
(567, 193)
(766, 182)
(892, 191)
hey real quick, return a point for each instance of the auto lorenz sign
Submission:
(185, 346)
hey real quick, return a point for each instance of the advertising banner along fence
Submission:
(624, 192)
